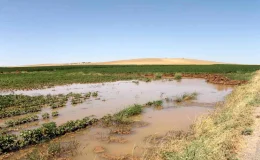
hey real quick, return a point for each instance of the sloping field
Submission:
(140, 61)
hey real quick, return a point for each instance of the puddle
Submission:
(115, 96)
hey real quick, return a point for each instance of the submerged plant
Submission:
(87, 95)
(155, 103)
(55, 114)
(136, 82)
(45, 115)
(186, 97)
(178, 76)
(94, 94)
(158, 76)
(19, 121)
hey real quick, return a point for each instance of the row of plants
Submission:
(19, 111)
(80, 98)
(24, 101)
(47, 115)
(218, 68)
(46, 132)
(13, 105)
(28, 119)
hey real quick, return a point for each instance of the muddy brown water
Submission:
(115, 96)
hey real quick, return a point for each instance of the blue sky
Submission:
(57, 31)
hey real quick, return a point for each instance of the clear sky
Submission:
(57, 31)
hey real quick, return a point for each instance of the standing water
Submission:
(115, 96)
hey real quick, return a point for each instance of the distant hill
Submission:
(159, 61)
(140, 61)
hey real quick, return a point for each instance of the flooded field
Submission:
(100, 142)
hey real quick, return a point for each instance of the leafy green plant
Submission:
(178, 76)
(45, 115)
(55, 114)
(130, 111)
(87, 95)
(155, 103)
(158, 76)
(94, 94)
(28, 119)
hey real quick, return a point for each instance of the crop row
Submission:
(11, 123)
(46, 132)
(13, 105)
(19, 111)
(24, 101)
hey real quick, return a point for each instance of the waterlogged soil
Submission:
(107, 143)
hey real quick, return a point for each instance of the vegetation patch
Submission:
(177, 76)
(46, 132)
(186, 97)
(53, 151)
(157, 103)
(45, 116)
(28, 119)
(55, 114)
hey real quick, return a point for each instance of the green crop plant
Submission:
(55, 114)
(28, 119)
(46, 132)
(94, 94)
(158, 76)
(186, 97)
(87, 95)
(154, 103)
(177, 76)
(45, 115)
(130, 111)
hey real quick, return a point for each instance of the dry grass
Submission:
(217, 136)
